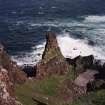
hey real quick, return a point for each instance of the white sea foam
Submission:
(95, 19)
(32, 57)
(70, 48)
(74, 47)
(56, 24)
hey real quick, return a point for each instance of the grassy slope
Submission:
(92, 98)
(50, 85)
(47, 86)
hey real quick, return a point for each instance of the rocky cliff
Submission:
(57, 80)
(81, 74)
(7, 96)
(15, 73)
(53, 61)
(10, 74)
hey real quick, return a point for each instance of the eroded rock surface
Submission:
(84, 78)
(15, 73)
(53, 61)
(6, 89)
(89, 72)
(82, 74)
(10, 74)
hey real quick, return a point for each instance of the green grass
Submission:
(50, 85)
(47, 86)
(98, 97)
(24, 93)
(71, 74)
(92, 98)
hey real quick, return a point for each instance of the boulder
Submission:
(81, 63)
(85, 78)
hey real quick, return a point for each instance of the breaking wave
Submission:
(95, 19)
(72, 48)
(69, 41)
(32, 57)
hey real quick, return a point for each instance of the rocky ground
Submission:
(53, 81)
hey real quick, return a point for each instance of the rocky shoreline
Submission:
(80, 75)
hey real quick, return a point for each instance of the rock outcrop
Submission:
(7, 96)
(53, 61)
(84, 78)
(10, 74)
(81, 74)
(81, 63)
(89, 72)
(15, 73)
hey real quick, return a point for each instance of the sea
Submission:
(78, 24)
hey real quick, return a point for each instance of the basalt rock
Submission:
(7, 96)
(15, 73)
(53, 61)
(90, 73)
(81, 63)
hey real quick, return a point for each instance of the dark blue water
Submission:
(23, 23)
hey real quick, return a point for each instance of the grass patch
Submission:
(98, 97)
(71, 74)
(48, 86)
(24, 93)
(92, 98)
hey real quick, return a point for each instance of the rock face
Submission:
(84, 78)
(6, 89)
(52, 60)
(81, 74)
(90, 74)
(10, 74)
(53, 63)
(15, 73)
(81, 63)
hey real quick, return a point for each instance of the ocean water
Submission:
(78, 24)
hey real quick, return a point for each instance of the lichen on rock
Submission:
(7, 96)
(53, 61)
(14, 71)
